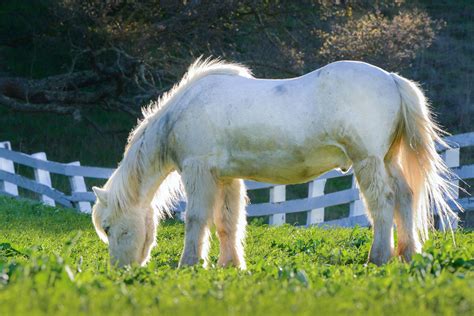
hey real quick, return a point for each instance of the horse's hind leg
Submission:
(378, 195)
(230, 220)
(203, 194)
(408, 240)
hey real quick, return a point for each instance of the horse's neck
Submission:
(142, 169)
(150, 186)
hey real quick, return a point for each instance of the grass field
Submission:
(51, 262)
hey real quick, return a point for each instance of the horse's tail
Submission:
(414, 147)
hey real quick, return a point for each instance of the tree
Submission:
(118, 55)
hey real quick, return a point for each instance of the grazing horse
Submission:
(220, 125)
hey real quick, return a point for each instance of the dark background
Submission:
(74, 74)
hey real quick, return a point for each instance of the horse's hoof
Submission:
(379, 259)
(188, 261)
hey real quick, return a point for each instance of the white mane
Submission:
(123, 185)
(199, 69)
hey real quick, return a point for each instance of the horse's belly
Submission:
(285, 166)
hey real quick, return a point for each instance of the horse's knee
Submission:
(195, 220)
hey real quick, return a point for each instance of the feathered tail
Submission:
(424, 170)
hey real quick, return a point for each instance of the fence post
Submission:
(43, 177)
(8, 166)
(277, 194)
(451, 158)
(316, 188)
(356, 207)
(79, 185)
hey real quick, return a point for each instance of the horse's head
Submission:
(130, 234)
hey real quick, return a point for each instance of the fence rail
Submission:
(315, 204)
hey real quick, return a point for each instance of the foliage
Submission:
(377, 39)
(39, 39)
(51, 262)
(123, 54)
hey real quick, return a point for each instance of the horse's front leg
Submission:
(230, 220)
(202, 195)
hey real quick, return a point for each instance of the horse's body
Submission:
(221, 125)
(280, 131)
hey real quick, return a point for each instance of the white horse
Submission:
(220, 125)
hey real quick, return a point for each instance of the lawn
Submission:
(51, 262)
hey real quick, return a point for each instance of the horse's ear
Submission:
(101, 194)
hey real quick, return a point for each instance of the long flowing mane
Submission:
(123, 186)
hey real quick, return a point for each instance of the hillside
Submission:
(445, 69)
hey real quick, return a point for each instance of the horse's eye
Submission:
(106, 230)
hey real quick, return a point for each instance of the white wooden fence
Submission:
(315, 204)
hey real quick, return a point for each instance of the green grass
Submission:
(51, 262)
